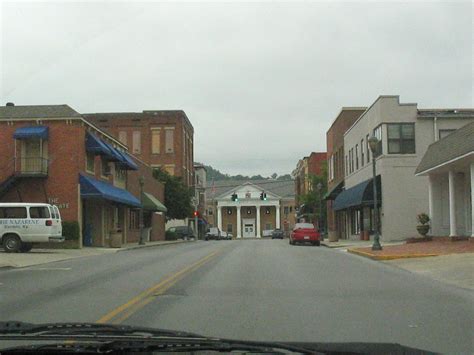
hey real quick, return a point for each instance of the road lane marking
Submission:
(127, 309)
(44, 269)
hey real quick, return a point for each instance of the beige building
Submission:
(249, 215)
(405, 132)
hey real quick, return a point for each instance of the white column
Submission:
(277, 216)
(239, 223)
(258, 221)
(431, 201)
(452, 205)
(219, 217)
(472, 199)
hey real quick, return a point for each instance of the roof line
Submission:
(444, 163)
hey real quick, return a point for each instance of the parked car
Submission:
(267, 233)
(226, 236)
(304, 233)
(277, 234)
(24, 224)
(182, 232)
(213, 233)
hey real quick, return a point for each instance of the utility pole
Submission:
(141, 181)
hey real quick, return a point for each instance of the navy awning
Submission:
(358, 196)
(127, 163)
(96, 145)
(92, 188)
(39, 132)
(115, 155)
(331, 195)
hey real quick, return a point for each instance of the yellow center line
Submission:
(138, 302)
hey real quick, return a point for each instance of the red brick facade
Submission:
(63, 154)
(336, 164)
(178, 161)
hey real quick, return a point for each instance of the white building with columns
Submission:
(249, 215)
(449, 165)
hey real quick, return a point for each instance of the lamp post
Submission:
(373, 142)
(141, 182)
(319, 186)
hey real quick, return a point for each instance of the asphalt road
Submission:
(251, 289)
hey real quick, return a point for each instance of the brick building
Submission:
(335, 148)
(310, 165)
(52, 154)
(162, 139)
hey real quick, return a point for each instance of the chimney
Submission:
(10, 104)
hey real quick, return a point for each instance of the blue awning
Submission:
(92, 188)
(39, 132)
(358, 196)
(96, 145)
(127, 163)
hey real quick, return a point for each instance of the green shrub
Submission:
(423, 218)
(169, 235)
(70, 230)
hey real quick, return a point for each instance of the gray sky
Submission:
(260, 82)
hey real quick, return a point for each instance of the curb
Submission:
(138, 246)
(389, 257)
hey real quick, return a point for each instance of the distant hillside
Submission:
(216, 175)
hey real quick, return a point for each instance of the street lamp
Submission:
(319, 186)
(141, 182)
(373, 142)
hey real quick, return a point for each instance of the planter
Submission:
(115, 239)
(423, 229)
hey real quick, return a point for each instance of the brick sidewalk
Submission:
(417, 250)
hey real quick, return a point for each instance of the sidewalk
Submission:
(43, 256)
(345, 243)
(415, 250)
(453, 269)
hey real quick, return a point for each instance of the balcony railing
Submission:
(31, 166)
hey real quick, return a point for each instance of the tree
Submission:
(274, 175)
(178, 197)
(284, 177)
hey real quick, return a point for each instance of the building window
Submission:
(169, 169)
(378, 135)
(210, 212)
(169, 140)
(123, 137)
(368, 148)
(120, 175)
(401, 138)
(357, 157)
(346, 165)
(285, 210)
(136, 142)
(155, 141)
(105, 167)
(445, 132)
(362, 153)
(355, 221)
(268, 226)
(90, 162)
(291, 209)
(352, 160)
(134, 220)
(229, 228)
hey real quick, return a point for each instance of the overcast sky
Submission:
(260, 82)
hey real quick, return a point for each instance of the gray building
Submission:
(405, 132)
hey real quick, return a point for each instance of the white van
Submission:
(23, 224)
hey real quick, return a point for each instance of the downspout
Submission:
(435, 128)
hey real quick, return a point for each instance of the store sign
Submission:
(55, 201)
